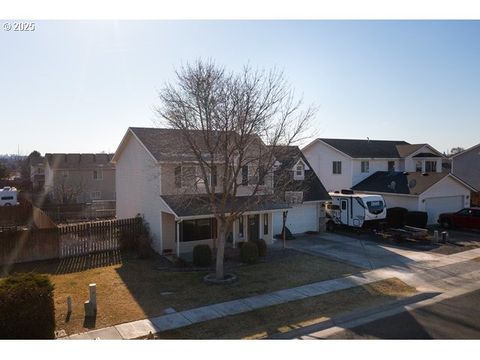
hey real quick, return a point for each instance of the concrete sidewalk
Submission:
(446, 274)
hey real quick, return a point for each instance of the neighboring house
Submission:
(407, 175)
(466, 166)
(37, 173)
(79, 178)
(303, 191)
(150, 163)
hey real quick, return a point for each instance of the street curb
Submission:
(355, 315)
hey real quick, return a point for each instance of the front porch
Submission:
(181, 235)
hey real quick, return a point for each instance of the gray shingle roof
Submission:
(396, 182)
(312, 187)
(171, 145)
(79, 161)
(367, 148)
(187, 205)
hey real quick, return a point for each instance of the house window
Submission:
(299, 173)
(265, 224)
(96, 195)
(198, 229)
(178, 176)
(418, 166)
(240, 226)
(430, 166)
(365, 165)
(261, 175)
(245, 175)
(188, 176)
(213, 176)
(337, 167)
(391, 166)
(97, 174)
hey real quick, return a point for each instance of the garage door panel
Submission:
(299, 220)
(446, 204)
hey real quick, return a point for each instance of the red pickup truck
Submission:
(465, 218)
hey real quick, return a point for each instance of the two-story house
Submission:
(466, 166)
(407, 175)
(155, 174)
(301, 189)
(79, 178)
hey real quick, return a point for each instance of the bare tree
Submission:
(231, 121)
(67, 191)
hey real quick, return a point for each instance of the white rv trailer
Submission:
(355, 210)
(8, 196)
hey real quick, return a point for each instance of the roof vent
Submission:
(424, 174)
(405, 173)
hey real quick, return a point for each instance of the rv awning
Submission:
(189, 206)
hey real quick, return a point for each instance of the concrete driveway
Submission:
(362, 252)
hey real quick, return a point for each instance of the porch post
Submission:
(260, 225)
(235, 232)
(178, 238)
(245, 227)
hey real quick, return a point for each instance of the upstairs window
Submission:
(188, 176)
(245, 175)
(178, 176)
(213, 176)
(97, 174)
(365, 165)
(261, 175)
(336, 167)
(299, 172)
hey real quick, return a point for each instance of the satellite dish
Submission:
(412, 183)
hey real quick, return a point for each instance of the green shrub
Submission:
(262, 247)
(416, 219)
(26, 307)
(202, 255)
(396, 216)
(249, 252)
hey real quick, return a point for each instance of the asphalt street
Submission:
(454, 318)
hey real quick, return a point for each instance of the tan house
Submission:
(79, 178)
(154, 172)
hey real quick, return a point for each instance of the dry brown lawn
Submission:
(132, 289)
(281, 318)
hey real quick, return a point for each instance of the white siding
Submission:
(407, 202)
(137, 188)
(320, 156)
(299, 219)
(374, 166)
(447, 187)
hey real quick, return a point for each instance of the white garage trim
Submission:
(299, 218)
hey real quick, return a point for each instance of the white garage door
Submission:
(299, 219)
(436, 206)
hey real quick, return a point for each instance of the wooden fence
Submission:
(64, 213)
(66, 241)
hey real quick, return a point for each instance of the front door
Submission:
(253, 227)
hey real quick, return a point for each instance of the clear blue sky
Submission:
(76, 86)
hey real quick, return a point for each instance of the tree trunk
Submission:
(220, 249)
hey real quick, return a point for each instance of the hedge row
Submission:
(26, 307)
